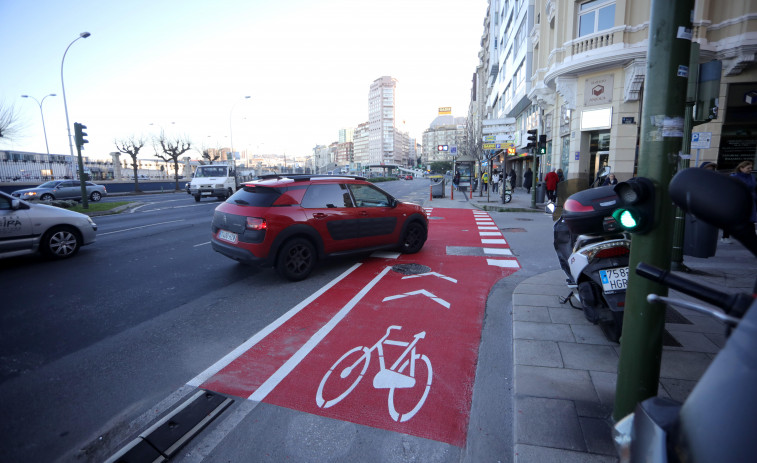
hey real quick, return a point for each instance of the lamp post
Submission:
(83, 35)
(231, 132)
(44, 130)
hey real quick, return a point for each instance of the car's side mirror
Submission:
(15, 204)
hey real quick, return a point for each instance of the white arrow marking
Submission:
(431, 274)
(422, 292)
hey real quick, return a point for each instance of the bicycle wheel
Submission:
(411, 392)
(345, 379)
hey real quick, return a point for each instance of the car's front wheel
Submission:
(197, 198)
(296, 259)
(414, 238)
(95, 196)
(60, 243)
(47, 197)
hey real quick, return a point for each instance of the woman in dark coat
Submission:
(512, 177)
(528, 180)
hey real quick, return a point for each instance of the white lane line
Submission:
(489, 233)
(503, 263)
(487, 228)
(137, 209)
(295, 360)
(484, 222)
(493, 241)
(137, 228)
(386, 254)
(498, 251)
(201, 244)
(260, 335)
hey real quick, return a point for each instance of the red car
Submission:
(291, 221)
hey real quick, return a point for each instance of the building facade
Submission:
(381, 120)
(584, 66)
(445, 131)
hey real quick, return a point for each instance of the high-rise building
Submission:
(360, 146)
(381, 114)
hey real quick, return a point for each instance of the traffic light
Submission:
(532, 136)
(79, 135)
(636, 201)
(542, 144)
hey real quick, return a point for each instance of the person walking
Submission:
(743, 172)
(484, 182)
(560, 175)
(528, 179)
(513, 177)
(551, 180)
(610, 180)
(495, 181)
(456, 180)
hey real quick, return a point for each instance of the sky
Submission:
(185, 67)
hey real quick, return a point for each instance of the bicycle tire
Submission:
(402, 417)
(319, 400)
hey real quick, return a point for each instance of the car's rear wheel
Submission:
(47, 197)
(296, 259)
(197, 198)
(414, 238)
(60, 243)
(95, 196)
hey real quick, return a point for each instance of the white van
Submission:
(214, 180)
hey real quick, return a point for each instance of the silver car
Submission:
(26, 228)
(61, 189)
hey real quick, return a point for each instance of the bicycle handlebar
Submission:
(735, 304)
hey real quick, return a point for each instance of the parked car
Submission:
(409, 177)
(291, 221)
(26, 228)
(61, 189)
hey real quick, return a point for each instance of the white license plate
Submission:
(614, 279)
(227, 236)
(206, 193)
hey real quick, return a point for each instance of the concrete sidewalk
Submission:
(565, 370)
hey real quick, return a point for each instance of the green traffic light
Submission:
(626, 219)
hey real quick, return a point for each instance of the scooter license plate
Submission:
(614, 279)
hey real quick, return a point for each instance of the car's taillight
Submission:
(256, 223)
(612, 252)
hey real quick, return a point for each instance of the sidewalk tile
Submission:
(531, 314)
(589, 357)
(683, 365)
(598, 436)
(568, 315)
(558, 383)
(538, 300)
(549, 423)
(537, 353)
(535, 454)
(542, 331)
(590, 334)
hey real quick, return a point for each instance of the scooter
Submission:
(593, 252)
(716, 422)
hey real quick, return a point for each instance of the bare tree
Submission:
(131, 146)
(211, 155)
(10, 124)
(172, 149)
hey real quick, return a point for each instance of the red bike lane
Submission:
(393, 344)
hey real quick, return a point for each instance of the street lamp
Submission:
(231, 133)
(83, 35)
(43, 116)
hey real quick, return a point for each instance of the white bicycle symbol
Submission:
(387, 378)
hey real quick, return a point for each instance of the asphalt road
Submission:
(93, 347)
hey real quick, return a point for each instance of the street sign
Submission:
(498, 138)
(700, 140)
(497, 146)
(499, 130)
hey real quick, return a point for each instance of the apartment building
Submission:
(444, 131)
(584, 67)
(381, 115)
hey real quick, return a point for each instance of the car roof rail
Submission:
(305, 177)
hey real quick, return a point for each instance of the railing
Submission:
(593, 42)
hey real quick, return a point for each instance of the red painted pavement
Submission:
(451, 342)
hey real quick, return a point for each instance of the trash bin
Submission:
(437, 187)
(541, 192)
(699, 239)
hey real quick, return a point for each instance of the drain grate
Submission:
(411, 269)
(513, 230)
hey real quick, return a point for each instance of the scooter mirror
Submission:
(717, 199)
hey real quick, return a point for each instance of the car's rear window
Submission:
(255, 196)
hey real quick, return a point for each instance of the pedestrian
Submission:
(495, 181)
(528, 179)
(551, 180)
(743, 172)
(485, 181)
(456, 180)
(560, 175)
(610, 180)
(513, 177)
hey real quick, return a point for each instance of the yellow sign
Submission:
(490, 146)
(445, 110)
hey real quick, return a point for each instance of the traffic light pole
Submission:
(661, 141)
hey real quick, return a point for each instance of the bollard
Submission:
(431, 193)
(452, 191)
(471, 191)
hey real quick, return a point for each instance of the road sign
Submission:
(497, 146)
(498, 138)
(700, 140)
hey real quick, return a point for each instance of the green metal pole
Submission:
(662, 136)
(82, 181)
